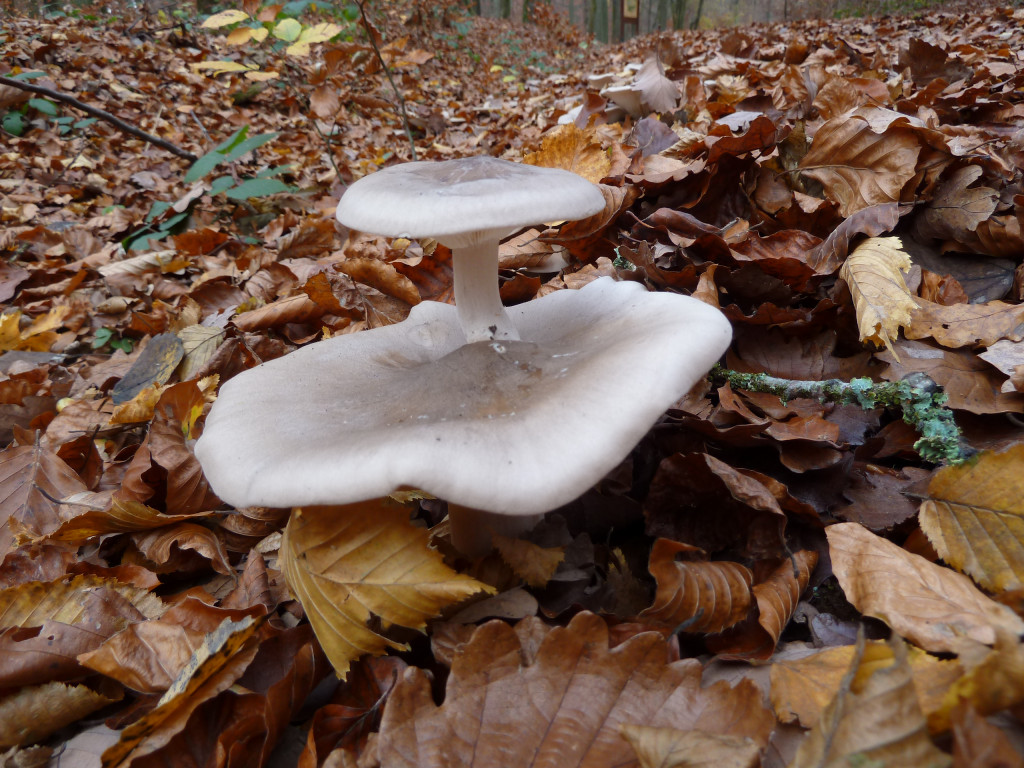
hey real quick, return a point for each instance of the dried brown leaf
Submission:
(873, 720)
(562, 702)
(859, 167)
(572, 149)
(696, 595)
(32, 714)
(533, 564)
(936, 608)
(669, 748)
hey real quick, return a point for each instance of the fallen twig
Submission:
(99, 114)
(918, 396)
(398, 94)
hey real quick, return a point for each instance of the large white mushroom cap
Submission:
(517, 427)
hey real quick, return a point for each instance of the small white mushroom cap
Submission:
(465, 201)
(516, 427)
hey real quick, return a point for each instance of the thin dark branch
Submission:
(99, 114)
(398, 94)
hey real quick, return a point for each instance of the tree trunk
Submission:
(695, 24)
(679, 14)
(505, 9)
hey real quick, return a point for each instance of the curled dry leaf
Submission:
(776, 591)
(658, 92)
(382, 276)
(956, 210)
(874, 720)
(974, 517)
(349, 563)
(563, 703)
(934, 607)
(696, 595)
(880, 295)
(32, 714)
(122, 516)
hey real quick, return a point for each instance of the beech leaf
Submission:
(349, 563)
(880, 295)
(974, 517)
(934, 607)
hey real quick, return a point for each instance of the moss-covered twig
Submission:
(920, 399)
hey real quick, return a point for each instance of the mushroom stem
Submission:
(471, 529)
(477, 300)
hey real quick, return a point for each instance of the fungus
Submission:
(501, 412)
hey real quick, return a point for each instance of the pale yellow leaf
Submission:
(874, 272)
(222, 19)
(287, 30)
(218, 67)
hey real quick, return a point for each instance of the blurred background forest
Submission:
(608, 21)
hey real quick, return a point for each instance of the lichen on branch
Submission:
(921, 400)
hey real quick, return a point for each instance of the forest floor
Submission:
(761, 581)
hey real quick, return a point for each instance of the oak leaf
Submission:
(528, 696)
(974, 517)
(880, 295)
(349, 563)
(934, 607)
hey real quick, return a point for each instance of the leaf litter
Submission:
(848, 192)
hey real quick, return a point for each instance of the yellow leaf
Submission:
(319, 33)
(671, 748)
(37, 337)
(975, 518)
(873, 720)
(880, 295)
(572, 149)
(349, 563)
(243, 35)
(218, 67)
(287, 30)
(222, 19)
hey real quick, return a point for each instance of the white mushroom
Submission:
(514, 421)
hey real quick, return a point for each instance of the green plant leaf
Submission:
(257, 188)
(45, 106)
(14, 123)
(248, 146)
